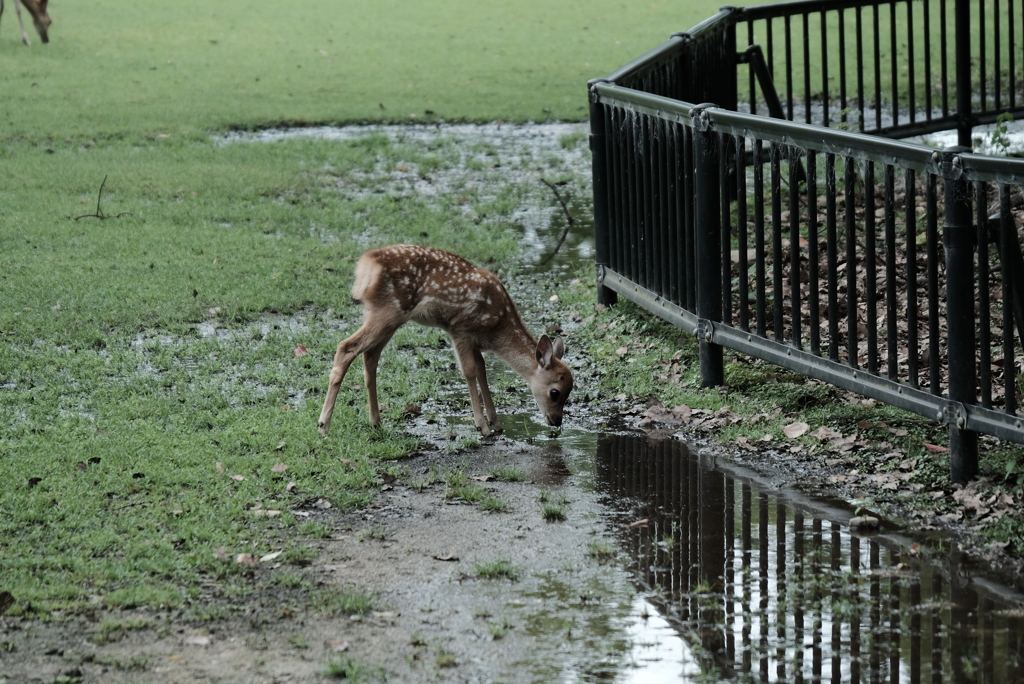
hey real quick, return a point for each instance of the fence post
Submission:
(599, 165)
(962, 47)
(708, 244)
(958, 242)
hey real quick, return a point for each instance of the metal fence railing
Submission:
(884, 267)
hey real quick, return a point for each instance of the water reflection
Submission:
(762, 585)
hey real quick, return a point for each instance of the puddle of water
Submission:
(742, 582)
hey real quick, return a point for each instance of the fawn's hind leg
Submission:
(366, 338)
(370, 359)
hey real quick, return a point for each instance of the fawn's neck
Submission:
(517, 347)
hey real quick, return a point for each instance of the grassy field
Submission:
(151, 400)
(148, 376)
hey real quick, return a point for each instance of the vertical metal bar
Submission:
(832, 252)
(851, 264)
(776, 190)
(997, 49)
(672, 194)
(878, 66)
(1011, 49)
(982, 58)
(690, 230)
(602, 238)
(634, 247)
(646, 198)
(928, 59)
(910, 206)
(813, 313)
(962, 11)
(910, 60)
(807, 71)
(984, 316)
(893, 64)
(932, 246)
(707, 155)
(860, 67)
(824, 71)
(870, 264)
(842, 69)
(958, 240)
(724, 144)
(891, 340)
(944, 58)
(753, 89)
(794, 249)
(789, 62)
(741, 233)
(1006, 243)
(762, 326)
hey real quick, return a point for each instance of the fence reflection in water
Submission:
(767, 587)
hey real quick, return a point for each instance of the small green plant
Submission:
(497, 570)
(493, 504)
(499, 629)
(601, 550)
(333, 601)
(315, 530)
(509, 473)
(552, 512)
(115, 630)
(377, 531)
(445, 658)
(999, 138)
(351, 669)
(552, 507)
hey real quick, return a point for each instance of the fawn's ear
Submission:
(548, 350)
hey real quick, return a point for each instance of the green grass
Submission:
(180, 69)
(497, 569)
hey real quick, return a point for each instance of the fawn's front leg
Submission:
(485, 390)
(467, 360)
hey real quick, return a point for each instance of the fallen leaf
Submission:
(280, 446)
(302, 514)
(81, 465)
(450, 557)
(270, 556)
(347, 462)
(638, 523)
(247, 559)
(265, 513)
(221, 554)
(279, 468)
(826, 433)
(289, 487)
(935, 448)
(412, 410)
(301, 350)
(198, 640)
(385, 614)
(322, 504)
(483, 478)
(220, 467)
(622, 351)
(240, 478)
(797, 429)
(337, 646)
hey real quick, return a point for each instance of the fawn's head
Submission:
(552, 381)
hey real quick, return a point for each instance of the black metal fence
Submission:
(884, 267)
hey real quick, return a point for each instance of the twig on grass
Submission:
(99, 212)
(568, 223)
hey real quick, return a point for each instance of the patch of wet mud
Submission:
(479, 156)
(668, 565)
